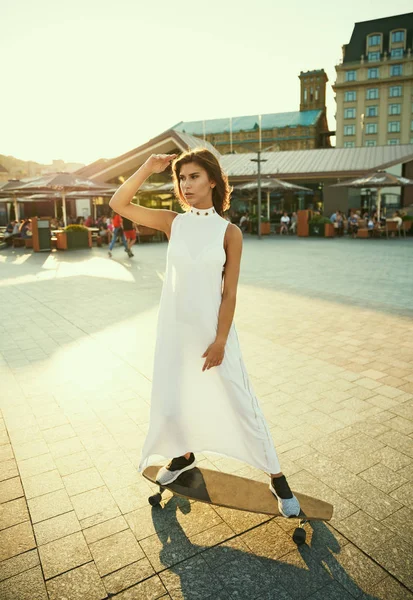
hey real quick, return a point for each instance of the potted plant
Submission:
(320, 226)
(265, 225)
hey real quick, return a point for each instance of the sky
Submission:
(84, 80)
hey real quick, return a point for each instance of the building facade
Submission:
(305, 129)
(374, 84)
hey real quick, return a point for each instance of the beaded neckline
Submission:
(198, 212)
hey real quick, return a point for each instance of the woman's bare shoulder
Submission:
(233, 235)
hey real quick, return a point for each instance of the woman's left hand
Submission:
(214, 355)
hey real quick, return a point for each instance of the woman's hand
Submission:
(158, 162)
(214, 355)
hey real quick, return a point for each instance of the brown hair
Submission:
(204, 158)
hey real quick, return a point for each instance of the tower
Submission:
(313, 90)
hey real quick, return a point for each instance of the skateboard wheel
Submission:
(155, 500)
(299, 536)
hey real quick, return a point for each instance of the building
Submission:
(305, 129)
(374, 84)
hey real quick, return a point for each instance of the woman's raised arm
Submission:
(121, 201)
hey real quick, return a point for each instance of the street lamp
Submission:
(259, 160)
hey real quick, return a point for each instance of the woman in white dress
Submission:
(202, 398)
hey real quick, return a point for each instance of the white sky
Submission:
(82, 80)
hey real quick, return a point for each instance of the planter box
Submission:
(73, 240)
(316, 229)
(328, 230)
(265, 228)
(77, 239)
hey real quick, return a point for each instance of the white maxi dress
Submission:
(192, 410)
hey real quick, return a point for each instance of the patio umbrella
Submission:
(270, 185)
(379, 180)
(63, 183)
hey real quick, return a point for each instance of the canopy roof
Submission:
(249, 123)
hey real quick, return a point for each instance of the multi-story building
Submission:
(305, 129)
(374, 84)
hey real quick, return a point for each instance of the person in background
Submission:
(129, 229)
(117, 224)
(244, 220)
(333, 217)
(339, 223)
(293, 225)
(353, 221)
(285, 221)
(26, 229)
(89, 221)
(398, 219)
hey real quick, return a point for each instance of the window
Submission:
(349, 144)
(372, 93)
(397, 36)
(349, 96)
(373, 73)
(393, 142)
(396, 53)
(371, 143)
(371, 128)
(394, 109)
(373, 56)
(372, 111)
(396, 70)
(395, 91)
(316, 94)
(349, 113)
(374, 40)
(393, 126)
(349, 129)
(350, 76)
(305, 94)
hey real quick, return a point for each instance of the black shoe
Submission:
(173, 470)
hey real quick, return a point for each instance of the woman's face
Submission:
(195, 184)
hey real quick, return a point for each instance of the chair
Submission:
(406, 225)
(391, 226)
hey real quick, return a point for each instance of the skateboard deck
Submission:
(232, 491)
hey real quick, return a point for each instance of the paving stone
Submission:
(364, 531)
(82, 481)
(151, 589)
(13, 513)
(94, 506)
(355, 571)
(8, 469)
(64, 554)
(82, 583)
(18, 564)
(99, 532)
(10, 489)
(388, 589)
(128, 576)
(24, 586)
(192, 578)
(383, 478)
(15, 540)
(36, 465)
(41, 484)
(49, 505)
(56, 527)
(115, 552)
(73, 463)
(396, 558)
(404, 494)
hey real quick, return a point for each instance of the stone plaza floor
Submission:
(325, 328)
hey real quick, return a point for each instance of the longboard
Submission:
(232, 491)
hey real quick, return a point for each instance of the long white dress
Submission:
(192, 410)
